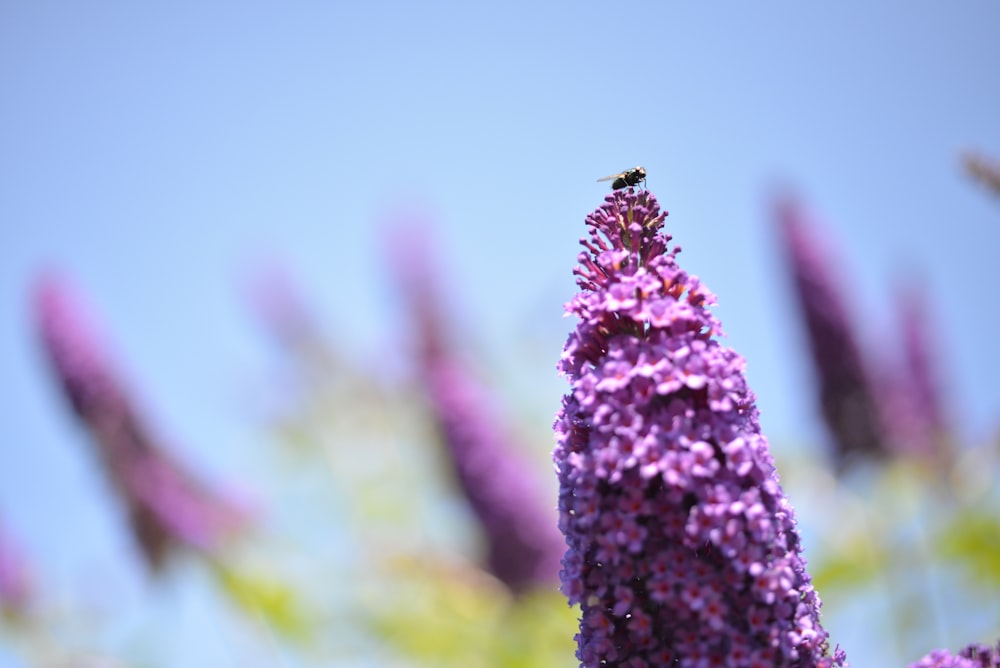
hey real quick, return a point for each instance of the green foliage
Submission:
(973, 541)
(261, 595)
(438, 614)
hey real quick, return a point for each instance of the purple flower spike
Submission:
(973, 656)
(277, 302)
(917, 347)
(166, 505)
(917, 420)
(983, 169)
(524, 546)
(682, 548)
(523, 543)
(847, 396)
(15, 582)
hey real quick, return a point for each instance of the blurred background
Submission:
(171, 160)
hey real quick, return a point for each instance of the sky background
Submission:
(157, 154)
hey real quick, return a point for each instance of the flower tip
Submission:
(57, 305)
(49, 294)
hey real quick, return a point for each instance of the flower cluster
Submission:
(523, 544)
(166, 504)
(847, 394)
(983, 169)
(682, 548)
(15, 581)
(914, 412)
(887, 406)
(973, 656)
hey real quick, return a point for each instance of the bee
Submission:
(627, 178)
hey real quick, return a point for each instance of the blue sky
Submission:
(155, 153)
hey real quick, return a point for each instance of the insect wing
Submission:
(613, 176)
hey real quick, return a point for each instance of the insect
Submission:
(627, 178)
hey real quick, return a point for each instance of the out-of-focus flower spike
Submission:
(524, 546)
(913, 408)
(278, 303)
(973, 656)
(417, 276)
(983, 170)
(277, 300)
(167, 506)
(15, 579)
(682, 548)
(523, 543)
(917, 345)
(846, 392)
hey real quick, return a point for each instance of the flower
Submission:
(847, 396)
(277, 302)
(917, 346)
(914, 414)
(166, 504)
(15, 581)
(973, 656)
(523, 544)
(681, 546)
(983, 169)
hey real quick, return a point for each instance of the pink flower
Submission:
(167, 505)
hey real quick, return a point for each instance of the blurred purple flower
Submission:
(983, 169)
(15, 581)
(914, 412)
(167, 505)
(916, 340)
(524, 546)
(682, 548)
(973, 656)
(846, 392)
(278, 303)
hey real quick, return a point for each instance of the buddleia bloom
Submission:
(167, 506)
(682, 549)
(924, 427)
(983, 169)
(846, 392)
(973, 656)
(523, 546)
(522, 543)
(15, 581)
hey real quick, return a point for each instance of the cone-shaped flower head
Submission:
(973, 656)
(523, 543)
(166, 504)
(682, 548)
(846, 395)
